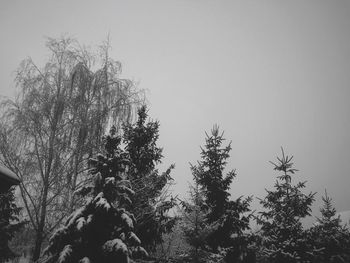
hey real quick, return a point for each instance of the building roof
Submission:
(8, 176)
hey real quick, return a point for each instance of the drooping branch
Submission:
(56, 123)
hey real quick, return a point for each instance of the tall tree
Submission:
(55, 124)
(209, 174)
(232, 216)
(283, 237)
(102, 229)
(330, 238)
(9, 223)
(151, 202)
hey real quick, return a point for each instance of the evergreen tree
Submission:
(329, 236)
(283, 237)
(195, 225)
(209, 174)
(101, 230)
(230, 216)
(9, 223)
(150, 202)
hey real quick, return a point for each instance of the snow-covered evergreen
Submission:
(329, 236)
(282, 236)
(231, 217)
(151, 202)
(101, 230)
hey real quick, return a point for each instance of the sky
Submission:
(269, 73)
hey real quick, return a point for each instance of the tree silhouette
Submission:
(283, 238)
(151, 202)
(329, 236)
(230, 216)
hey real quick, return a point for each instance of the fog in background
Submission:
(269, 73)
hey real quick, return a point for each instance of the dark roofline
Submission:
(7, 175)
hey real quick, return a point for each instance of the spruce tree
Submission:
(102, 229)
(329, 236)
(230, 216)
(283, 237)
(9, 223)
(150, 202)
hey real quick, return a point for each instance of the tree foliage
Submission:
(9, 223)
(283, 237)
(102, 229)
(56, 123)
(231, 217)
(329, 236)
(151, 202)
(195, 225)
(209, 174)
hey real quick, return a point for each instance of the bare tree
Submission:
(56, 123)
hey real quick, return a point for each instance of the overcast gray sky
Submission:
(270, 73)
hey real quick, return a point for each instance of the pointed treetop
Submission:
(142, 113)
(284, 164)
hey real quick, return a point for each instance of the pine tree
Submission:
(9, 223)
(231, 216)
(329, 236)
(150, 202)
(283, 237)
(101, 230)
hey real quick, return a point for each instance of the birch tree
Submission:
(56, 123)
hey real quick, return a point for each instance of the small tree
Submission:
(329, 236)
(101, 230)
(195, 224)
(9, 223)
(151, 202)
(283, 238)
(231, 216)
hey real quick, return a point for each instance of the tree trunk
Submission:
(40, 231)
(37, 247)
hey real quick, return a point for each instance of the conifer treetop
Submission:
(282, 234)
(328, 212)
(152, 200)
(209, 172)
(226, 219)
